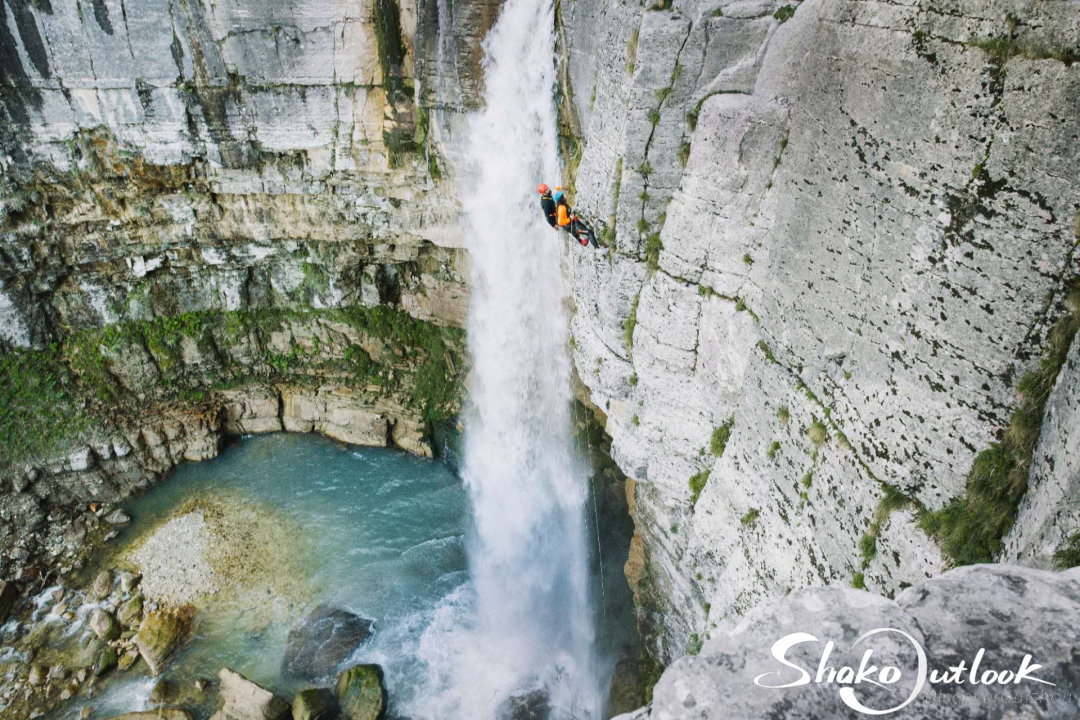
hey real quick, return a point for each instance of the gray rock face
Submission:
(321, 641)
(825, 220)
(1006, 611)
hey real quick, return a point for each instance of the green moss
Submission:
(970, 529)
(858, 581)
(720, 436)
(750, 517)
(684, 153)
(773, 449)
(645, 169)
(1068, 554)
(631, 51)
(868, 547)
(783, 415)
(697, 484)
(650, 673)
(808, 479)
(747, 260)
(785, 13)
(633, 379)
(1002, 48)
(764, 347)
(654, 116)
(694, 644)
(635, 420)
(817, 432)
(39, 406)
(653, 246)
(630, 323)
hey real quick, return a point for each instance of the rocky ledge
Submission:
(996, 613)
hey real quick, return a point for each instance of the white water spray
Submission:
(527, 623)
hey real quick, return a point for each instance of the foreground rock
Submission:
(361, 693)
(161, 634)
(1008, 611)
(315, 704)
(322, 641)
(245, 700)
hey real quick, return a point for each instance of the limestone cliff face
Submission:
(841, 231)
(220, 218)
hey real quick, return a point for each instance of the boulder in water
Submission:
(244, 700)
(104, 625)
(361, 693)
(161, 635)
(315, 704)
(322, 641)
(533, 705)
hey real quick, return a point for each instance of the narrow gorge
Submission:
(823, 366)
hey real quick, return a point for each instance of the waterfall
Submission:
(525, 621)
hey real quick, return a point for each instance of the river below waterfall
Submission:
(374, 531)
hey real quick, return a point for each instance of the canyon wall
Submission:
(219, 218)
(842, 241)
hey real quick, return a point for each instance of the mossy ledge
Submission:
(50, 397)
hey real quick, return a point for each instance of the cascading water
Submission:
(525, 621)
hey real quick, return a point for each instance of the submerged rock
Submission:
(321, 641)
(245, 700)
(315, 704)
(361, 693)
(161, 635)
(533, 705)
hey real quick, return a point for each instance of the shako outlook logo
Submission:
(885, 676)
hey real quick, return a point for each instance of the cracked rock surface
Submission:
(849, 231)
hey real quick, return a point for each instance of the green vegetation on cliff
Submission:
(971, 529)
(106, 373)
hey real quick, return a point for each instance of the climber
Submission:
(568, 220)
(559, 215)
(547, 204)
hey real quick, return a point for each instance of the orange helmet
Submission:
(542, 188)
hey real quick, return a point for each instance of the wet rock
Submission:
(361, 693)
(245, 700)
(102, 586)
(8, 595)
(315, 704)
(533, 705)
(163, 714)
(106, 661)
(322, 641)
(160, 693)
(628, 685)
(118, 517)
(104, 625)
(128, 581)
(161, 635)
(127, 659)
(130, 611)
(38, 675)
